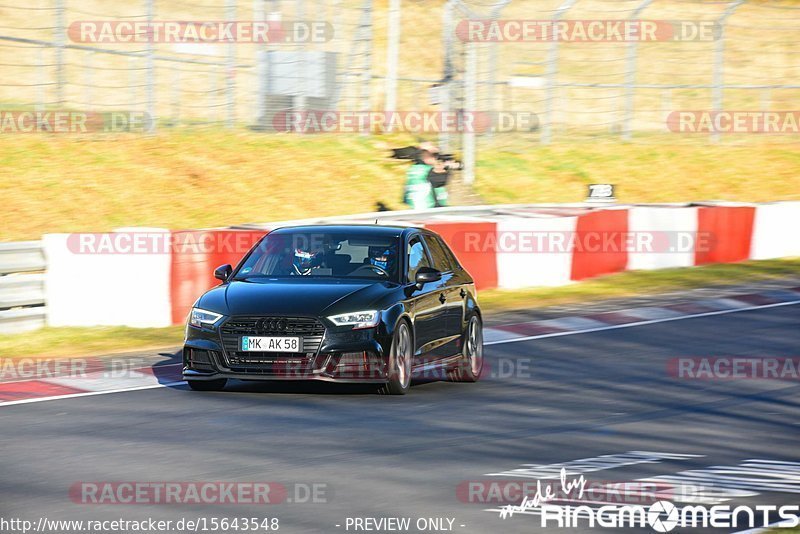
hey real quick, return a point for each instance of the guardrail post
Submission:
(552, 70)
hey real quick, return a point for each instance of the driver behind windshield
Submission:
(304, 261)
(383, 257)
(280, 255)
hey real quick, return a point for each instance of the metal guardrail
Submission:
(22, 302)
(21, 257)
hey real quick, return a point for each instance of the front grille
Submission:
(271, 363)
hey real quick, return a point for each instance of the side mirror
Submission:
(223, 272)
(427, 274)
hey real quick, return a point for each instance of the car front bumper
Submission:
(346, 356)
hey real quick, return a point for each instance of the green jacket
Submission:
(418, 191)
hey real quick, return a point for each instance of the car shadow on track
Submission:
(168, 373)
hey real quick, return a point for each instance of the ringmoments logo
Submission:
(664, 516)
(660, 516)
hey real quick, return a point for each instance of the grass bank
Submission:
(200, 179)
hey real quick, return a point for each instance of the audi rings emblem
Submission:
(272, 324)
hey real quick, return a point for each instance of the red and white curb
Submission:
(101, 382)
(626, 318)
(84, 384)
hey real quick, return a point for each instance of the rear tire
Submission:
(470, 367)
(400, 362)
(207, 385)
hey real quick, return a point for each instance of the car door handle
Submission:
(463, 293)
(442, 298)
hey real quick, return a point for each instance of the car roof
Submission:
(362, 229)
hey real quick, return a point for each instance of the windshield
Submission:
(323, 254)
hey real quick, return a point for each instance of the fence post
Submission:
(470, 76)
(366, 77)
(176, 97)
(719, 60)
(134, 82)
(493, 16)
(60, 43)
(88, 71)
(42, 79)
(301, 103)
(552, 69)
(630, 74)
(230, 86)
(392, 51)
(151, 98)
(260, 15)
(448, 74)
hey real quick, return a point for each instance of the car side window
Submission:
(440, 259)
(417, 257)
(454, 264)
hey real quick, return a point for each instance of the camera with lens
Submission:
(413, 153)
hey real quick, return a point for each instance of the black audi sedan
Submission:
(342, 303)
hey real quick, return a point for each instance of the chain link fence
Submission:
(411, 55)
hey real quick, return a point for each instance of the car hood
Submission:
(293, 297)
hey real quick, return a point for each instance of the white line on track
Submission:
(28, 379)
(759, 530)
(499, 342)
(640, 323)
(90, 393)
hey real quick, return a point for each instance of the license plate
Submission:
(271, 344)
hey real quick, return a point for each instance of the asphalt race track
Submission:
(545, 401)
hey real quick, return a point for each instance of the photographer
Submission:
(438, 177)
(427, 178)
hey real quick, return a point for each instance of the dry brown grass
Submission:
(207, 179)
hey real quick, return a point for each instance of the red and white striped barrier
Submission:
(194, 256)
(507, 247)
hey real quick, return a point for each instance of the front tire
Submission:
(471, 365)
(207, 385)
(400, 361)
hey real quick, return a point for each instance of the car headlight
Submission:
(360, 319)
(199, 317)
